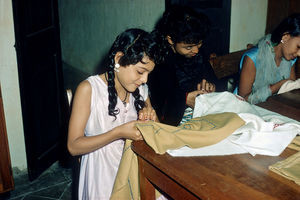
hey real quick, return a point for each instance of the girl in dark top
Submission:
(184, 72)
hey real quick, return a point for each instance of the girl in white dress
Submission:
(105, 110)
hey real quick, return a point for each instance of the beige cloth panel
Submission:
(295, 144)
(198, 132)
(288, 168)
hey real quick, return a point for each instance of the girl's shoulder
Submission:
(84, 87)
(95, 79)
(91, 85)
(96, 82)
(252, 53)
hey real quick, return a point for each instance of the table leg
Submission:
(147, 190)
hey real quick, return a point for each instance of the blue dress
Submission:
(260, 89)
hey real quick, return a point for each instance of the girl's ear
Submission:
(170, 40)
(285, 37)
(118, 55)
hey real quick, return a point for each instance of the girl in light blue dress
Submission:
(267, 66)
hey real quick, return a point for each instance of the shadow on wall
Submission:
(72, 76)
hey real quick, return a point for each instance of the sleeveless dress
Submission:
(265, 74)
(99, 168)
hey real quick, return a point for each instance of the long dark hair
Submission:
(290, 25)
(134, 44)
(182, 24)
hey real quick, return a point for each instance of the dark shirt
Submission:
(170, 82)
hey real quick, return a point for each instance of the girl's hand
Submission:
(148, 113)
(129, 131)
(190, 99)
(206, 86)
(276, 86)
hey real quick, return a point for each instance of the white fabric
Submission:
(265, 132)
(98, 169)
(219, 102)
(289, 85)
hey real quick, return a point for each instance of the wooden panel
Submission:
(278, 10)
(227, 65)
(165, 183)
(6, 178)
(146, 188)
(294, 6)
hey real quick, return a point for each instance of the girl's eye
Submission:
(140, 72)
(188, 48)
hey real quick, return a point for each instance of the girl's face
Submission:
(184, 49)
(132, 76)
(187, 50)
(290, 47)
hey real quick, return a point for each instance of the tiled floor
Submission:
(53, 184)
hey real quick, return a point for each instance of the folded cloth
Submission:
(197, 132)
(288, 168)
(265, 132)
(295, 144)
(265, 138)
(202, 131)
(289, 85)
(255, 137)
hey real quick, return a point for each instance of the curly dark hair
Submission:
(134, 44)
(182, 24)
(290, 25)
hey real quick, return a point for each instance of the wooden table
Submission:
(287, 104)
(219, 177)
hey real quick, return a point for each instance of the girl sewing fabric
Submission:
(267, 66)
(105, 110)
(185, 71)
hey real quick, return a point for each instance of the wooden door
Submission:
(41, 83)
(6, 177)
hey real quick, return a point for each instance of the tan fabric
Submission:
(288, 168)
(295, 144)
(198, 132)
